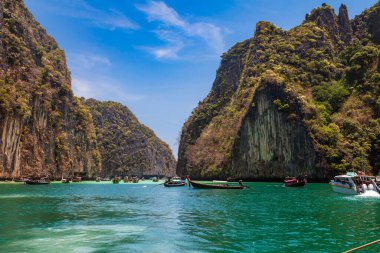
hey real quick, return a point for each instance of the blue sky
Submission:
(159, 58)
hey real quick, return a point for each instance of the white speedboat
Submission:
(354, 184)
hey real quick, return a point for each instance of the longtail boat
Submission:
(174, 182)
(65, 180)
(37, 181)
(116, 180)
(76, 179)
(216, 186)
(20, 180)
(294, 182)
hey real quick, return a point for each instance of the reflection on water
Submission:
(151, 218)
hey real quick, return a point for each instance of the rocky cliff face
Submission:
(273, 143)
(291, 102)
(127, 147)
(366, 25)
(44, 129)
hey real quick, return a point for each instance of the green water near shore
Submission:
(93, 217)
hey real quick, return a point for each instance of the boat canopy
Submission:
(343, 177)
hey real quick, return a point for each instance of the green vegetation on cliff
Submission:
(127, 147)
(328, 71)
(44, 129)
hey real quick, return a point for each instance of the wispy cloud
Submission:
(89, 61)
(174, 24)
(91, 78)
(167, 52)
(111, 19)
(174, 44)
(102, 90)
(159, 11)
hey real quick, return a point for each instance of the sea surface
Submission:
(106, 217)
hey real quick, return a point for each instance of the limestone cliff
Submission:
(127, 147)
(303, 101)
(44, 129)
(273, 143)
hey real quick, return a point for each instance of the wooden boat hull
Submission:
(36, 182)
(294, 182)
(21, 180)
(174, 185)
(214, 186)
(297, 184)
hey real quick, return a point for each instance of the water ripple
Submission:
(130, 218)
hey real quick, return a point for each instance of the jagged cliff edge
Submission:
(266, 115)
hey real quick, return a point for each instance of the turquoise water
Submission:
(91, 217)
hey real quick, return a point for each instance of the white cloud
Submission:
(212, 34)
(111, 19)
(82, 88)
(89, 61)
(115, 20)
(159, 11)
(168, 52)
(102, 90)
(174, 44)
(90, 78)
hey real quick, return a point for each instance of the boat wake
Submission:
(369, 194)
(14, 196)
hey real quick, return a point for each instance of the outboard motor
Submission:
(375, 186)
(364, 187)
(371, 187)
